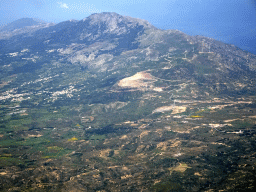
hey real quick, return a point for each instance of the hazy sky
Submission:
(231, 21)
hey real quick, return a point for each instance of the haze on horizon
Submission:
(231, 22)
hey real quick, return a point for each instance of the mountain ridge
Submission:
(97, 40)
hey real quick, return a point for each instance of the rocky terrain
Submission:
(111, 103)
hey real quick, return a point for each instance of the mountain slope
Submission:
(108, 47)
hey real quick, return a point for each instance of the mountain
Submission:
(111, 103)
(21, 23)
(21, 26)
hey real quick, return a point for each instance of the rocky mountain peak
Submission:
(115, 22)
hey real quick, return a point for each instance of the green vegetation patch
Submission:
(55, 154)
(54, 148)
(97, 137)
(242, 124)
(17, 123)
(9, 142)
(36, 141)
(10, 161)
(167, 186)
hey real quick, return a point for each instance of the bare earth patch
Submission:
(39, 135)
(182, 167)
(3, 84)
(104, 153)
(3, 173)
(175, 109)
(140, 80)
